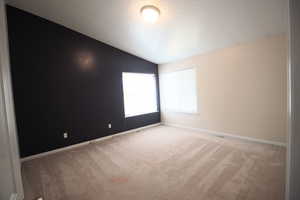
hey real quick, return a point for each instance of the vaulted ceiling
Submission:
(185, 27)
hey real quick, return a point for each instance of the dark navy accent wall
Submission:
(64, 81)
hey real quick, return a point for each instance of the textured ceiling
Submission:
(185, 27)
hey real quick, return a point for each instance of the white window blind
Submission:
(140, 95)
(179, 91)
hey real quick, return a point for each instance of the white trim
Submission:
(54, 151)
(136, 115)
(217, 133)
(86, 143)
(8, 103)
(290, 105)
(126, 132)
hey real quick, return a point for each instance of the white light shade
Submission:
(150, 13)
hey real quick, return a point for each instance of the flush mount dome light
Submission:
(150, 13)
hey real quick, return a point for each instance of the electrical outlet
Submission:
(65, 135)
(109, 125)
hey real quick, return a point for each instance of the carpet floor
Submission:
(161, 163)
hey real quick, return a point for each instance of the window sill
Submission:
(129, 116)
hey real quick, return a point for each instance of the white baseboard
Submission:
(87, 142)
(217, 133)
(125, 132)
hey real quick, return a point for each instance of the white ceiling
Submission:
(185, 27)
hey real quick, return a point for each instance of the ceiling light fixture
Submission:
(150, 13)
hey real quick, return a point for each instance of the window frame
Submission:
(196, 112)
(156, 95)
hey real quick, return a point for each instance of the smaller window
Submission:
(179, 91)
(140, 95)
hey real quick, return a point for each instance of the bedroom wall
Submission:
(242, 90)
(64, 81)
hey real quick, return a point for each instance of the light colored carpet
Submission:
(160, 163)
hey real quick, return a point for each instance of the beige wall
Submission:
(242, 90)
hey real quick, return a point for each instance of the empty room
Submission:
(146, 99)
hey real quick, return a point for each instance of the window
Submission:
(140, 95)
(179, 91)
